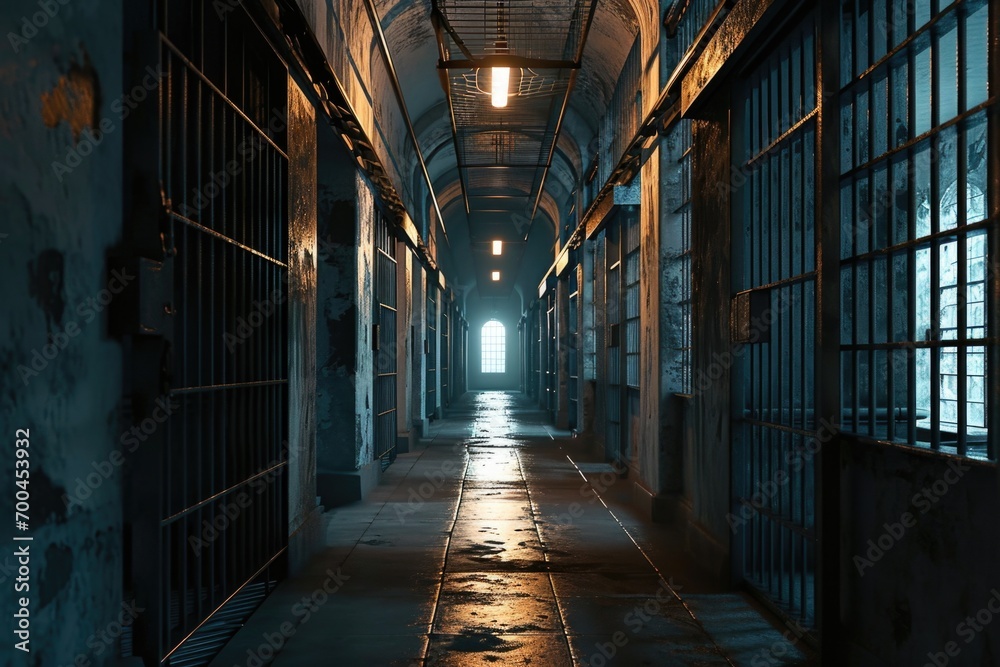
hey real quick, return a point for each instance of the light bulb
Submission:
(497, 247)
(501, 85)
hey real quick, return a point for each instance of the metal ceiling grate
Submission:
(550, 31)
(543, 45)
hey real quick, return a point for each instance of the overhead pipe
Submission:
(439, 20)
(562, 111)
(292, 36)
(398, 90)
(661, 115)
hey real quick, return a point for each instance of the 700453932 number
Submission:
(22, 474)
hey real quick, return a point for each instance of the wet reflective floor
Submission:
(503, 542)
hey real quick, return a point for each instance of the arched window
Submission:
(494, 347)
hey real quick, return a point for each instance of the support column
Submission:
(562, 353)
(418, 394)
(347, 469)
(304, 523)
(405, 433)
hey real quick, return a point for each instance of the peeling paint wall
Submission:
(344, 373)
(62, 372)
(404, 345)
(302, 255)
(364, 379)
(345, 32)
(646, 450)
(418, 402)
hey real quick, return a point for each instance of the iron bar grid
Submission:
(224, 175)
(774, 264)
(915, 265)
(386, 355)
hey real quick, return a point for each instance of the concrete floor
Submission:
(490, 547)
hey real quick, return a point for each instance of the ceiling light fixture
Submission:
(496, 276)
(497, 247)
(501, 86)
(501, 75)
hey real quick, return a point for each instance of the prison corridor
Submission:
(501, 542)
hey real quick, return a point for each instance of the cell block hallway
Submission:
(503, 542)
(465, 332)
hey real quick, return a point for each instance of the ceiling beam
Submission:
(508, 61)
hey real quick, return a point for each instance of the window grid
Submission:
(494, 345)
(632, 296)
(915, 299)
(677, 263)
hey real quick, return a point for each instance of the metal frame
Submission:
(386, 366)
(224, 365)
(432, 332)
(915, 370)
(774, 320)
(573, 352)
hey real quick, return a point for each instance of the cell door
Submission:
(630, 222)
(773, 319)
(613, 359)
(432, 370)
(206, 501)
(551, 361)
(445, 352)
(384, 341)
(573, 353)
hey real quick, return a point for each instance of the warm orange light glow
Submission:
(501, 86)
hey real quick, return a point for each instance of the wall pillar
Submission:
(303, 511)
(346, 466)
(405, 433)
(418, 323)
(561, 416)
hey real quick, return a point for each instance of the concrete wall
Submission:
(345, 380)
(910, 590)
(62, 373)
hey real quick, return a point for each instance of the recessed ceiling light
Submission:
(497, 247)
(496, 276)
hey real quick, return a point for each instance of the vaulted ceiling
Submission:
(508, 173)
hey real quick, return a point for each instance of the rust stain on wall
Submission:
(75, 99)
